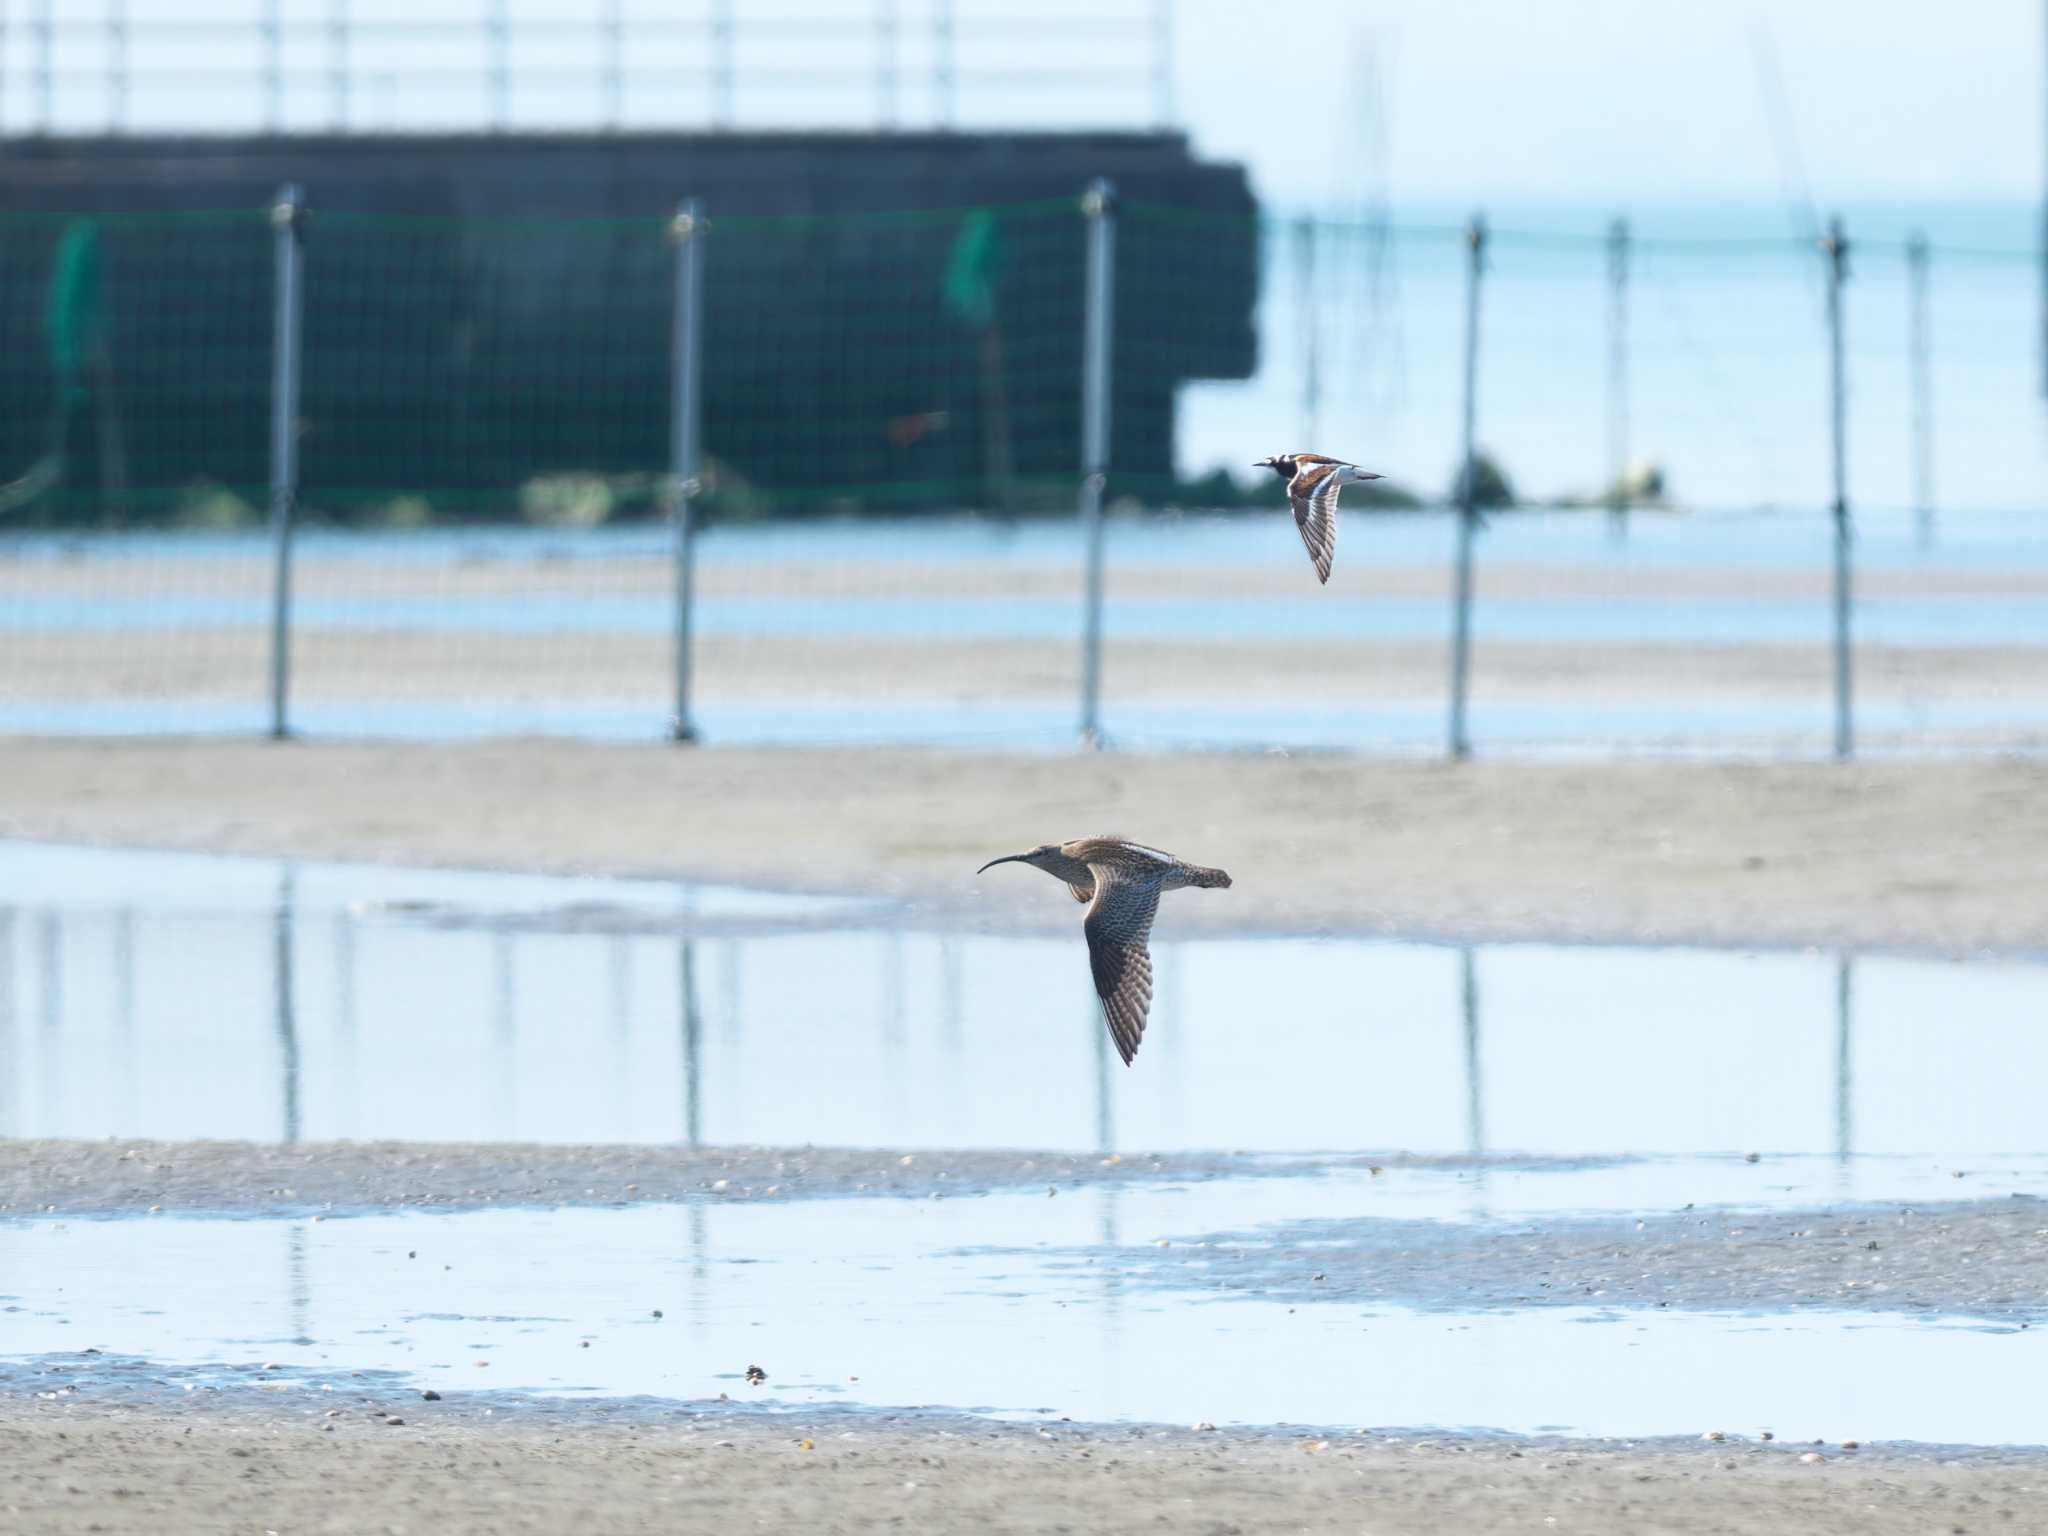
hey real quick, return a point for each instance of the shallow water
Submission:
(1659, 619)
(1930, 727)
(893, 1303)
(185, 996)
(181, 996)
(381, 593)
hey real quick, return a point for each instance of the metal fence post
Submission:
(1918, 342)
(686, 357)
(1098, 206)
(1836, 248)
(287, 223)
(1468, 487)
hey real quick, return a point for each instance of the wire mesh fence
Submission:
(885, 543)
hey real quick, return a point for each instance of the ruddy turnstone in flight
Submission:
(1313, 482)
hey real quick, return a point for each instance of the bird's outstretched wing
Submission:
(1119, 922)
(1313, 491)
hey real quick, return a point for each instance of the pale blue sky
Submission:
(1624, 99)
(1597, 101)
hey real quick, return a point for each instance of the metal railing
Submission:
(377, 70)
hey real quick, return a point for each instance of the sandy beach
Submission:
(1935, 857)
(255, 1460)
(1940, 857)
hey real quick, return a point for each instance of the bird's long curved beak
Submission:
(1008, 858)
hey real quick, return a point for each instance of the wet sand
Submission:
(1980, 1259)
(367, 669)
(250, 1460)
(128, 1178)
(1941, 857)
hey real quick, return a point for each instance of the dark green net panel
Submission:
(134, 365)
(492, 369)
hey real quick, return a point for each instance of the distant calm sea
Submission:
(1727, 353)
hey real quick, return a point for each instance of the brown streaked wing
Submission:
(1119, 922)
(1313, 493)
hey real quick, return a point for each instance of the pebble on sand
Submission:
(1811, 1457)
(430, 1396)
(1714, 1434)
(1204, 1427)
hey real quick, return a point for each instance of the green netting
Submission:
(134, 366)
(893, 363)
(458, 369)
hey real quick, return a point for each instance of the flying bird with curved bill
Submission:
(1313, 482)
(1122, 882)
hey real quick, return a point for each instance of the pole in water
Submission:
(287, 221)
(1311, 334)
(1918, 347)
(339, 75)
(1845, 1097)
(1617, 378)
(45, 70)
(498, 47)
(686, 355)
(1162, 64)
(1468, 478)
(1835, 247)
(721, 63)
(614, 68)
(942, 62)
(886, 113)
(1098, 206)
(273, 67)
